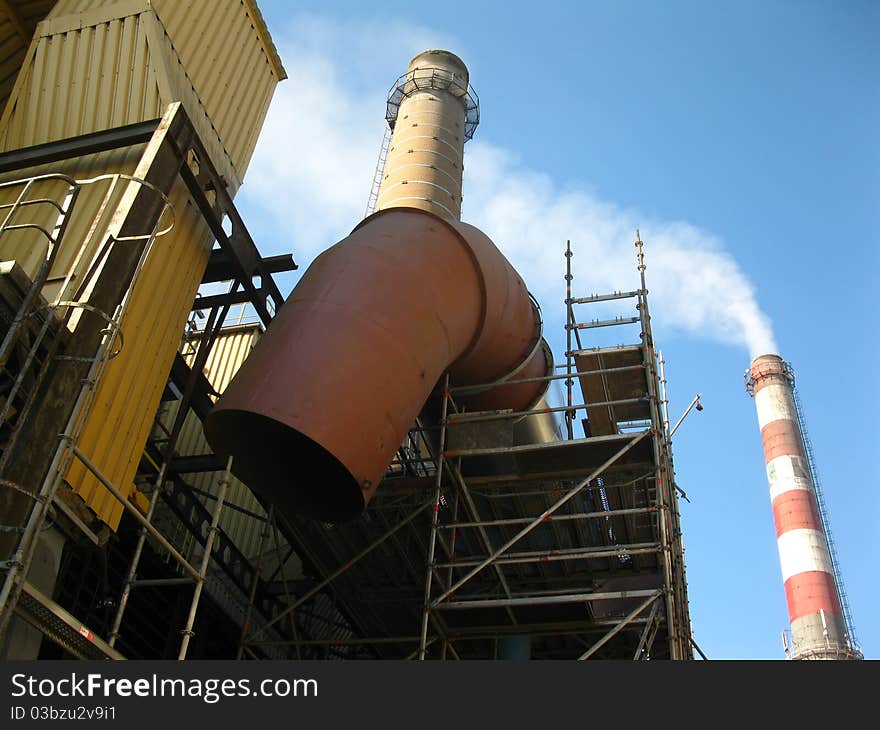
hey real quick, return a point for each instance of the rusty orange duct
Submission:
(318, 410)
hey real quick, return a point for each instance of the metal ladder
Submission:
(380, 171)
(826, 523)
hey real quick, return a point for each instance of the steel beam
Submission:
(339, 571)
(649, 625)
(86, 144)
(546, 600)
(621, 626)
(221, 269)
(605, 297)
(550, 556)
(551, 518)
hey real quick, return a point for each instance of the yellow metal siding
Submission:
(221, 65)
(229, 64)
(131, 388)
(75, 83)
(88, 70)
(17, 22)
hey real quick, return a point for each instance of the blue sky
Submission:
(740, 138)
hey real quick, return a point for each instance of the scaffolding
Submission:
(573, 546)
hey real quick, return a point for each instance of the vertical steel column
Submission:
(662, 506)
(136, 558)
(273, 526)
(664, 400)
(206, 559)
(435, 518)
(569, 415)
(449, 573)
(253, 592)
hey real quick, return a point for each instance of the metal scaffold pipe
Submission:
(206, 559)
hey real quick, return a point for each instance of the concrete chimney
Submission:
(818, 625)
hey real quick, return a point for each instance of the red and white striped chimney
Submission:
(818, 627)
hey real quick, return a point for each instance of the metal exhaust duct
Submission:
(317, 412)
(818, 620)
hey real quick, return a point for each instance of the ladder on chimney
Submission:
(379, 173)
(826, 523)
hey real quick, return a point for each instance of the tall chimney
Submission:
(818, 624)
(425, 157)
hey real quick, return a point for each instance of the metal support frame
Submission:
(538, 520)
(435, 517)
(215, 322)
(206, 559)
(652, 599)
(466, 568)
(172, 149)
(450, 492)
(264, 533)
(346, 566)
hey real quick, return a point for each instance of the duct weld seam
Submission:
(316, 413)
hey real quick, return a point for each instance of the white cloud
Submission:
(695, 285)
(314, 164)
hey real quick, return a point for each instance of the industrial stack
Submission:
(818, 618)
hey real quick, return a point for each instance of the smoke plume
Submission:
(313, 167)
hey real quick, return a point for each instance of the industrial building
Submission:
(176, 482)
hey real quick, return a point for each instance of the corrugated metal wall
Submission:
(97, 65)
(207, 41)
